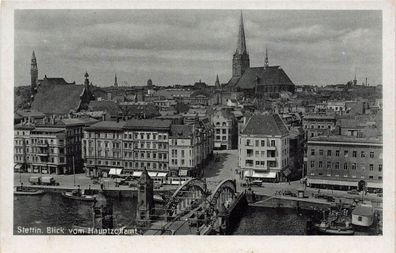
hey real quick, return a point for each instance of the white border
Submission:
(10, 243)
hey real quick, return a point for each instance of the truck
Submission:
(48, 180)
(35, 180)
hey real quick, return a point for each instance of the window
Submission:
(321, 152)
(262, 153)
(328, 165)
(337, 165)
(249, 152)
(328, 152)
(354, 153)
(320, 164)
(312, 164)
(371, 154)
(272, 143)
(379, 177)
(224, 131)
(380, 167)
(345, 166)
(337, 153)
(346, 153)
(354, 166)
(371, 166)
(249, 162)
(247, 142)
(360, 218)
(362, 154)
(257, 154)
(312, 151)
(257, 143)
(262, 143)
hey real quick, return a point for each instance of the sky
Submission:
(314, 47)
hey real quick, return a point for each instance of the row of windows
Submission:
(355, 153)
(259, 143)
(182, 162)
(329, 165)
(249, 163)
(223, 131)
(137, 165)
(270, 153)
(353, 176)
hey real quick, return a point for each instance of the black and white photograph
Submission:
(204, 122)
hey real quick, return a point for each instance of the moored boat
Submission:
(20, 190)
(363, 215)
(337, 223)
(77, 195)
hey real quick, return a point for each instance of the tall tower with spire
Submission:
(33, 74)
(355, 80)
(217, 83)
(240, 60)
(266, 64)
(115, 81)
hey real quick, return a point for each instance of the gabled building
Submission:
(264, 148)
(225, 129)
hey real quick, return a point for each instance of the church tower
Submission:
(240, 60)
(115, 81)
(266, 64)
(217, 83)
(33, 75)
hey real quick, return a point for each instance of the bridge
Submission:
(193, 209)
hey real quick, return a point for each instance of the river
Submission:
(51, 210)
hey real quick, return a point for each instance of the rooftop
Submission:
(344, 138)
(266, 124)
(107, 125)
(148, 124)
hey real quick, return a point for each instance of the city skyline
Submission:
(184, 46)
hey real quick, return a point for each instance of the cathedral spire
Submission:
(241, 47)
(217, 83)
(266, 59)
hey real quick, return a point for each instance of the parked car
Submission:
(353, 192)
(48, 181)
(35, 180)
(256, 183)
(289, 193)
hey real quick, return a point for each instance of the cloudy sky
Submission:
(184, 46)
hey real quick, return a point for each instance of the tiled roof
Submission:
(181, 131)
(344, 138)
(58, 98)
(148, 124)
(266, 124)
(108, 125)
(107, 106)
(272, 75)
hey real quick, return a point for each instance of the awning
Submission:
(374, 185)
(137, 173)
(115, 171)
(331, 182)
(152, 174)
(183, 172)
(217, 144)
(161, 174)
(247, 173)
(264, 174)
(17, 166)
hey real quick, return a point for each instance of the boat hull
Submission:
(29, 193)
(86, 198)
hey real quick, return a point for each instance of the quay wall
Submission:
(287, 202)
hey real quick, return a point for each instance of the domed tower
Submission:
(149, 83)
(145, 197)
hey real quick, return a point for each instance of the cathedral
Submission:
(260, 82)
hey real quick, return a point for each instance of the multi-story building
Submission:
(318, 124)
(130, 146)
(225, 129)
(341, 162)
(264, 148)
(52, 146)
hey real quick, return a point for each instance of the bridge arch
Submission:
(193, 190)
(223, 195)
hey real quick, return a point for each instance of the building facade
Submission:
(159, 146)
(341, 162)
(49, 147)
(225, 129)
(264, 148)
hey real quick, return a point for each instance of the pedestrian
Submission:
(101, 186)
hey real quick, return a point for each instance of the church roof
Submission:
(266, 124)
(57, 98)
(272, 75)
